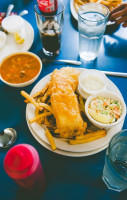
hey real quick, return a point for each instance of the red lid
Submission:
(18, 158)
(47, 6)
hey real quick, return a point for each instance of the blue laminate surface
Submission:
(67, 178)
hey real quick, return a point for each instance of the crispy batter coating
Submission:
(64, 102)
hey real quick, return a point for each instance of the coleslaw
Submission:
(105, 110)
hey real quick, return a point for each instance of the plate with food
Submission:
(17, 38)
(56, 113)
(75, 4)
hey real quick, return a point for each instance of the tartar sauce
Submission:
(12, 23)
(92, 83)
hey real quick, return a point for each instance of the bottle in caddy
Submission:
(23, 165)
(49, 17)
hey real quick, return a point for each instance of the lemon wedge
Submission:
(105, 119)
(18, 38)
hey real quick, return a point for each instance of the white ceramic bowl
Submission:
(27, 82)
(91, 81)
(12, 23)
(106, 94)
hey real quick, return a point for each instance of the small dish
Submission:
(96, 117)
(12, 47)
(12, 23)
(91, 82)
(20, 69)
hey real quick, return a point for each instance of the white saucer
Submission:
(11, 46)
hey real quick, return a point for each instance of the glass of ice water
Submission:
(92, 20)
(115, 168)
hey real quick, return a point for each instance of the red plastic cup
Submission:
(23, 165)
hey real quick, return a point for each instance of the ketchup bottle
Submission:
(23, 165)
(48, 7)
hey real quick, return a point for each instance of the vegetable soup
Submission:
(19, 68)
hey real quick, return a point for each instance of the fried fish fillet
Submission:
(64, 80)
(64, 102)
(66, 111)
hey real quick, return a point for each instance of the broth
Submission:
(19, 68)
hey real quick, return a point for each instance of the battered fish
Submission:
(64, 102)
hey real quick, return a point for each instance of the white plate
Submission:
(11, 46)
(60, 144)
(65, 153)
(75, 14)
(73, 11)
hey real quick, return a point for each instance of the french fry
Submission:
(76, 7)
(42, 115)
(36, 112)
(88, 137)
(93, 1)
(30, 99)
(41, 120)
(38, 100)
(81, 104)
(51, 140)
(46, 106)
(85, 125)
(106, 3)
(80, 2)
(41, 92)
(111, 4)
(45, 118)
(43, 99)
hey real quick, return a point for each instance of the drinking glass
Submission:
(92, 19)
(115, 168)
(50, 29)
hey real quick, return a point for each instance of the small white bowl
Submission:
(27, 82)
(91, 81)
(12, 23)
(105, 94)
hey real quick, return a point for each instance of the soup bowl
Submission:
(20, 69)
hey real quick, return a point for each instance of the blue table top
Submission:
(67, 177)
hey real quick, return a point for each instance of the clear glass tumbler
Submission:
(50, 29)
(115, 168)
(92, 20)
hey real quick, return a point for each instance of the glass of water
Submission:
(92, 20)
(115, 168)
